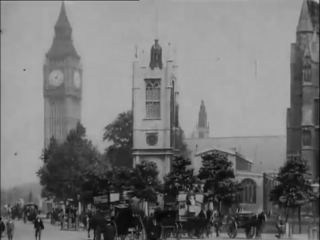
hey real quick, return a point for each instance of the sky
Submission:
(233, 54)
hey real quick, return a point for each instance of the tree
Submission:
(181, 145)
(120, 134)
(30, 198)
(180, 178)
(220, 185)
(144, 180)
(294, 186)
(61, 174)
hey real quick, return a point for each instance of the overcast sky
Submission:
(217, 44)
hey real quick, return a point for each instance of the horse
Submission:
(261, 220)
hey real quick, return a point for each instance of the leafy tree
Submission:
(120, 134)
(30, 198)
(220, 185)
(61, 174)
(294, 186)
(144, 181)
(181, 178)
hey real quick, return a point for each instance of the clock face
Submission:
(56, 78)
(152, 139)
(76, 79)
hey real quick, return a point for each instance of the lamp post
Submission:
(315, 188)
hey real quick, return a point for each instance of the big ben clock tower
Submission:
(62, 88)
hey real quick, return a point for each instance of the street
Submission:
(26, 232)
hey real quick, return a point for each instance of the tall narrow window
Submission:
(153, 98)
(249, 191)
(306, 69)
(316, 112)
(306, 137)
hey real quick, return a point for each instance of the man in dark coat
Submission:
(153, 230)
(2, 226)
(108, 229)
(38, 227)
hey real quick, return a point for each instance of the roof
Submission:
(267, 152)
(207, 150)
(62, 45)
(309, 17)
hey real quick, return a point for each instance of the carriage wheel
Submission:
(250, 232)
(232, 228)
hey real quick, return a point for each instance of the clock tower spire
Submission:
(62, 83)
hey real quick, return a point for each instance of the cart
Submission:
(243, 220)
(191, 220)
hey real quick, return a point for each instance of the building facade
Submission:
(303, 114)
(155, 110)
(256, 186)
(62, 83)
(202, 128)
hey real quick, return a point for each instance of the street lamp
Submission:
(315, 189)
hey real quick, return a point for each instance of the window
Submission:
(307, 69)
(248, 194)
(153, 98)
(316, 112)
(306, 137)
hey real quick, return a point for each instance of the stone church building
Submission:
(303, 114)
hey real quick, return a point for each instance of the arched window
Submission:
(153, 98)
(306, 137)
(249, 192)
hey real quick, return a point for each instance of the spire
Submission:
(309, 16)
(63, 22)
(202, 116)
(62, 45)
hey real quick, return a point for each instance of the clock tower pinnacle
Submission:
(62, 83)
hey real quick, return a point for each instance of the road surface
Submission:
(26, 232)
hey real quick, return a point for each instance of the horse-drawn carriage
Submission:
(242, 220)
(30, 212)
(185, 218)
(125, 221)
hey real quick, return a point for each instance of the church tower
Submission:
(202, 130)
(155, 110)
(303, 114)
(62, 83)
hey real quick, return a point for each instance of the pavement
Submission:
(26, 232)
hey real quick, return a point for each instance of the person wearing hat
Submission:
(38, 227)
(10, 228)
(108, 229)
(2, 226)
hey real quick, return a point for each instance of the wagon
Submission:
(243, 220)
(189, 218)
(30, 211)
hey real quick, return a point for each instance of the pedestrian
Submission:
(2, 227)
(10, 228)
(109, 232)
(153, 230)
(38, 227)
(280, 227)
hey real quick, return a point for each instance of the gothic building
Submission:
(303, 114)
(62, 83)
(202, 129)
(155, 109)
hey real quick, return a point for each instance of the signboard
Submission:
(182, 197)
(101, 199)
(199, 198)
(114, 197)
